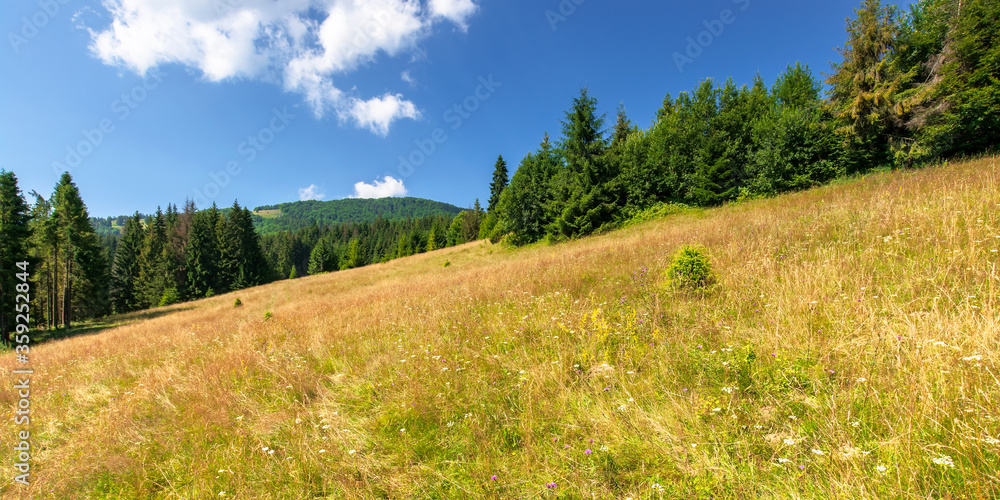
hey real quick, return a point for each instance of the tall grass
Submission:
(848, 350)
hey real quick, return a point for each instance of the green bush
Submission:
(170, 296)
(691, 269)
(238, 303)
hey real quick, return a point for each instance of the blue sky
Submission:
(148, 102)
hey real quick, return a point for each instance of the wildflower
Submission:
(403, 430)
(862, 380)
(222, 493)
(791, 442)
(944, 461)
(550, 485)
(784, 461)
(975, 357)
(322, 451)
(622, 408)
(351, 452)
(657, 488)
(990, 440)
(817, 452)
(587, 451)
(854, 424)
(451, 424)
(716, 410)
(728, 390)
(881, 469)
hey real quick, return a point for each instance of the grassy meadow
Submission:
(848, 350)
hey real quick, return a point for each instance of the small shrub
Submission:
(170, 296)
(267, 315)
(447, 263)
(238, 303)
(691, 269)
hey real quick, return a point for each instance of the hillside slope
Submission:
(294, 215)
(848, 351)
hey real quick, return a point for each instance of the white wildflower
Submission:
(944, 461)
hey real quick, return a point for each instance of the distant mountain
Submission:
(294, 215)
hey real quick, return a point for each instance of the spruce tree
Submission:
(15, 233)
(201, 255)
(500, 180)
(125, 289)
(151, 265)
(85, 267)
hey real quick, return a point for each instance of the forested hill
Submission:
(299, 214)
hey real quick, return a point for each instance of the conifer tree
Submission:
(500, 180)
(151, 260)
(125, 285)
(85, 268)
(202, 255)
(15, 233)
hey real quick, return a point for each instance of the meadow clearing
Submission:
(848, 350)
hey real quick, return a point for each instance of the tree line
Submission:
(913, 87)
(181, 254)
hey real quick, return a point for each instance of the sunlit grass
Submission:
(847, 350)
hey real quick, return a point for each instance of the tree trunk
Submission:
(55, 286)
(68, 293)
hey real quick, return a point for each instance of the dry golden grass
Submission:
(849, 350)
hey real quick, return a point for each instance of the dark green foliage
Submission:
(691, 269)
(202, 254)
(500, 180)
(15, 235)
(323, 257)
(85, 276)
(125, 289)
(301, 214)
(152, 269)
(237, 302)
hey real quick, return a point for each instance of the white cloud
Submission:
(406, 77)
(313, 192)
(458, 11)
(301, 44)
(385, 188)
(377, 113)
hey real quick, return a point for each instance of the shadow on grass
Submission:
(97, 326)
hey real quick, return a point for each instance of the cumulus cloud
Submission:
(458, 11)
(406, 77)
(387, 187)
(303, 45)
(313, 192)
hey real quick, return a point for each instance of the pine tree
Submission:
(151, 260)
(500, 180)
(125, 289)
(862, 85)
(201, 255)
(84, 287)
(15, 233)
